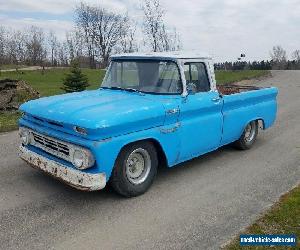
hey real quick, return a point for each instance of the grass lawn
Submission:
(50, 82)
(282, 218)
(8, 121)
(223, 77)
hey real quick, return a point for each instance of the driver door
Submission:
(200, 113)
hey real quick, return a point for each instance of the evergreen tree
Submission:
(75, 80)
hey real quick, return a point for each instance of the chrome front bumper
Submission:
(75, 178)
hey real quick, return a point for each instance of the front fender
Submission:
(108, 150)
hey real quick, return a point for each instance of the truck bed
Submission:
(229, 89)
(242, 104)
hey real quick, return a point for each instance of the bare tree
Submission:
(170, 40)
(75, 41)
(16, 47)
(53, 46)
(159, 36)
(296, 55)
(62, 53)
(99, 32)
(79, 43)
(84, 20)
(153, 22)
(2, 44)
(102, 28)
(278, 56)
(127, 42)
(22, 46)
(20, 41)
(36, 51)
(71, 46)
(296, 58)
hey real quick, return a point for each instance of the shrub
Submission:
(75, 80)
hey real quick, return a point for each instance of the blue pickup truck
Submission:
(151, 110)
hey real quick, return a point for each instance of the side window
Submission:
(196, 77)
(187, 73)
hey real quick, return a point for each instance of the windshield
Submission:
(151, 76)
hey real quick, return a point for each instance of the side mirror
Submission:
(191, 88)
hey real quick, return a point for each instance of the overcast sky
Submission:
(222, 28)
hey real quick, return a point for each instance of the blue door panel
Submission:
(201, 124)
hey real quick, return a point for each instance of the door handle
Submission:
(216, 99)
(173, 111)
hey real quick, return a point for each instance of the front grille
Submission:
(51, 145)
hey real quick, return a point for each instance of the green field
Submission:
(282, 218)
(49, 83)
(223, 77)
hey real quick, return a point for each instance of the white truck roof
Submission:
(163, 55)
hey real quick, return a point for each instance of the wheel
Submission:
(135, 169)
(248, 137)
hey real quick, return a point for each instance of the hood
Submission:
(109, 112)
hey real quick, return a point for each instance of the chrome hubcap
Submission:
(250, 132)
(138, 166)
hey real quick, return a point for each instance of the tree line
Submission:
(278, 61)
(98, 32)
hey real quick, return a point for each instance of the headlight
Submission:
(83, 159)
(25, 136)
(80, 130)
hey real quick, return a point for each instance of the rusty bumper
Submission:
(75, 178)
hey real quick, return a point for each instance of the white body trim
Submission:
(166, 54)
(210, 72)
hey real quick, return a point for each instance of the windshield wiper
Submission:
(112, 87)
(133, 90)
(125, 89)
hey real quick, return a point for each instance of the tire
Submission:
(248, 137)
(135, 169)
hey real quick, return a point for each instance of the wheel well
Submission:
(162, 159)
(261, 123)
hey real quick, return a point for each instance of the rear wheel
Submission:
(135, 169)
(248, 137)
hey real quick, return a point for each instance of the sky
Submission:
(222, 28)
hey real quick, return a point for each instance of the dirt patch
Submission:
(13, 93)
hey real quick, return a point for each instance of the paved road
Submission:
(198, 205)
